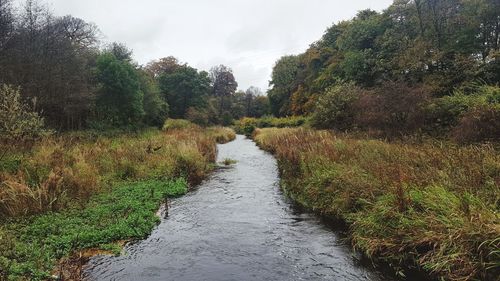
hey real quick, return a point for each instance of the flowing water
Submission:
(236, 226)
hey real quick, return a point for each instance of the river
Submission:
(237, 225)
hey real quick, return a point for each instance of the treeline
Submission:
(428, 66)
(59, 67)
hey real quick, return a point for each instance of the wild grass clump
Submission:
(433, 205)
(469, 115)
(175, 124)
(221, 134)
(65, 170)
(30, 248)
(229, 162)
(248, 125)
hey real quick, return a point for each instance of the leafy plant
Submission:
(18, 121)
(32, 247)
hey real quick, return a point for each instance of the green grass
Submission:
(31, 247)
(248, 125)
(430, 206)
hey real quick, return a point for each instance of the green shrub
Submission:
(198, 116)
(175, 124)
(18, 121)
(335, 108)
(445, 113)
(247, 125)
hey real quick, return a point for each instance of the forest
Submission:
(419, 67)
(403, 122)
(74, 81)
(384, 133)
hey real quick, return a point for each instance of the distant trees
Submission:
(223, 84)
(120, 51)
(155, 106)
(162, 66)
(6, 22)
(120, 99)
(51, 59)
(184, 87)
(250, 95)
(254, 102)
(283, 82)
(204, 98)
(78, 85)
(408, 57)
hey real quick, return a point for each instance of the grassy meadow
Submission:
(81, 190)
(432, 205)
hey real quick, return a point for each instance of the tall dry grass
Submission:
(432, 205)
(68, 169)
(221, 134)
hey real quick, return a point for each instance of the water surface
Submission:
(236, 226)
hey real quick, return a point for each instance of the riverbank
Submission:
(81, 191)
(237, 225)
(430, 206)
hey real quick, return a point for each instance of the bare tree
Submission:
(250, 95)
(80, 33)
(223, 83)
(6, 22)
(51, 58)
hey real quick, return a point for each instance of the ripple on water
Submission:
(236, 226)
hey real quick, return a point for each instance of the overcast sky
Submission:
(246, 35)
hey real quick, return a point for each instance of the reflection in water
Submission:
(236, 226)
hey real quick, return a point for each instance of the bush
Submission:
(198, 116)
(247, 125)
(227, 119)
(392, 109)
(221, 134)
(18, 121)
(479, 124)
(335, 108)
(175, 124)
(396, 109)
(445, 113)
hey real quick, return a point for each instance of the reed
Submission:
(432, 205)
(60, 171)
